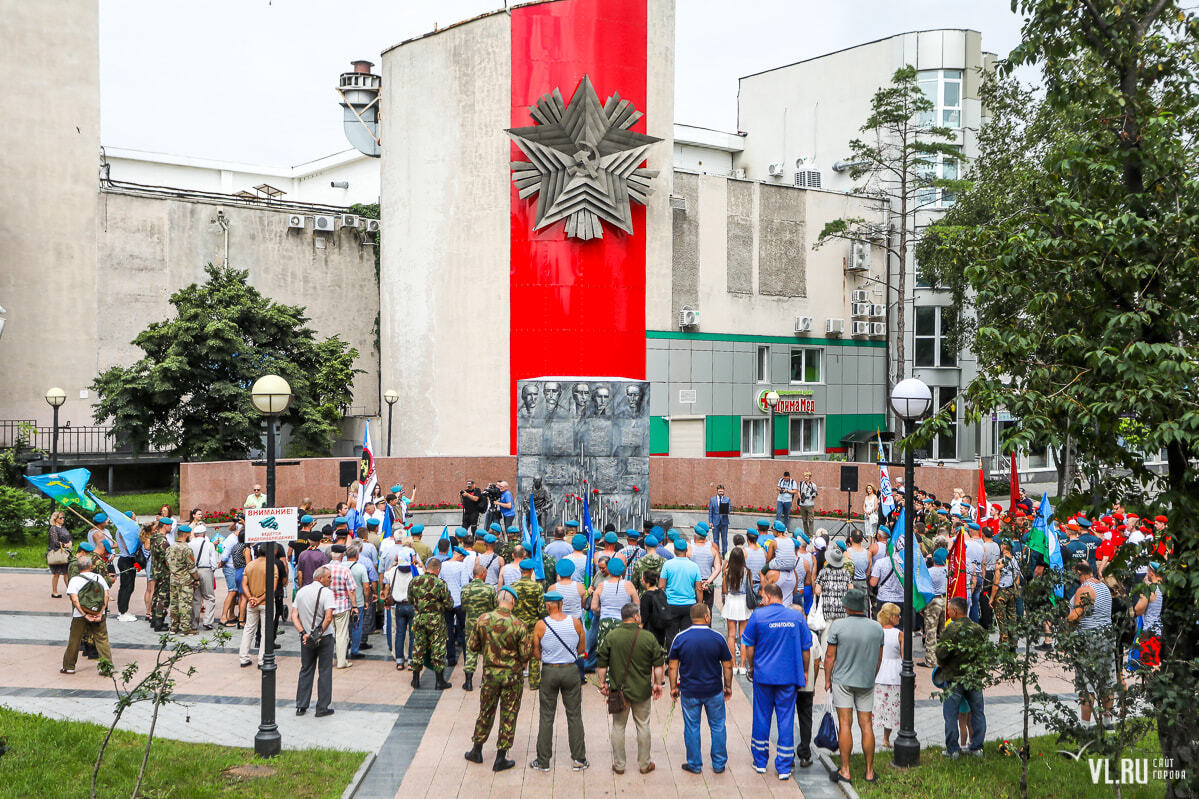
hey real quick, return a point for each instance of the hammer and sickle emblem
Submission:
(586, 160)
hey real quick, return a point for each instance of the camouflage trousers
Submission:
(428, 634)
(1004, 608)
(933, 616)
(604, 626)
(161, 599)
(534, 665)
(182, 593)
(500, 688)
(471, 661)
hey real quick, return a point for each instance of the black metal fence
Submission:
(89, 440)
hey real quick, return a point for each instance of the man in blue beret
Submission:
(530, 604)
(682, 581)
(558, 641)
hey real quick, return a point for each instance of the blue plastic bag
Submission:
(826, 738)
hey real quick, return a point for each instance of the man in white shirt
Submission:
(395, 584)
(207, 562)
(89, 620)
(806, 499)
(454, 575)
(255, 499)
(787, 490)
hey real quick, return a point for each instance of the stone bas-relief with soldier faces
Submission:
(574, 429)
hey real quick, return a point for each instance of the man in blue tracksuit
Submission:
(776, 646)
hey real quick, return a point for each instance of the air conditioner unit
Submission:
(807, 179)
(349, 220)
(323, 223)
(739, 174)
(859, 257)
(373, 226)
(859, 295)
(688, 318)
(836, 326)
(878, 328)
(878, 310)
(860, 309)
(295, 221)
(803, 324)
(775, 170)
(860, 329)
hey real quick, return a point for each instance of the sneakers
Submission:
(975, 753)
(126, 617)
(537, 765)
(760, 769)
(691, 769)
(784, 775)
(579, 765)
(950, 755)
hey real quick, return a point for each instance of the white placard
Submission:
(271, 524)
(687, 396)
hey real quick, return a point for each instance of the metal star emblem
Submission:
(583, 162)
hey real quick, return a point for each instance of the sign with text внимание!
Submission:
(271, 524)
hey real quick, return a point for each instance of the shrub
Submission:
(21, 514)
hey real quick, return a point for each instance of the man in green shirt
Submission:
(958, 642)
(637, 666)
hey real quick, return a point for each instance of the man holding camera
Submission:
(473, 504)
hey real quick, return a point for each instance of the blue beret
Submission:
(489, 539)
(460, 532)
(579, 541)
(397, 488)
(306, 519)
(528, 564)
(974, 526)
(940, 556)
(372, 522)
(1083, 522)
(701, 532)
(495, 527)
(672, 533)
(652, 541)
(841, 544)
(611, 538)
(779, 527)
(513, 530)
(631, 533)
(804, 536)
(185, 528)
(100, 518)
(883, 530)
(460, 551)
(88, 546)
(572, 523)
(131, 515)
(616, 567)
(701, 526)
(161, 520)
(680, 545)
(510, 590)
(762, 523)
(942, 511)
(552, 596)
(658, 531)
(565, 567)
(417, 529)
(340, 520)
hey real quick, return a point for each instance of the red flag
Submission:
(957, 567)
(1015, 486)
(982, 498)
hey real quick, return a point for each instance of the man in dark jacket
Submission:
(959, 642)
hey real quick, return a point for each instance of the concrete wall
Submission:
(150, 247)
(676, 481)
(445, 280)
(659, 119)
(50, 138)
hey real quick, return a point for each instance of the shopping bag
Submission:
(816, 622)
(826, 738)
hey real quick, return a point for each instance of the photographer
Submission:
(473, 503)
(489, 503)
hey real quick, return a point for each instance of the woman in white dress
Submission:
(733, 607)
(870, 510)
(886, 683)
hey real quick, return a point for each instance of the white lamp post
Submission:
(772, 399)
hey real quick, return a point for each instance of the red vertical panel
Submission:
(578, 307)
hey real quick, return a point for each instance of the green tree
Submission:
(897, 160)
(190, 393)
(1082, 266)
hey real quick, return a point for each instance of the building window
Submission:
(943, 87)
(931, 336)
(805, 365)
(939, 166)
(806, 435)
(753, 437)
(944, 447)
(762, 368)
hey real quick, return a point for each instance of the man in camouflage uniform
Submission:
(651, 561)
(530, 608)
(181, 566)
(478, 597)
(509, 547)
(431, 600)
(506, 645)
(162, 578)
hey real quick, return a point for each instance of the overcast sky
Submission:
(253, 80)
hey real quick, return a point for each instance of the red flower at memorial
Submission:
(595, 491)
(636, 489)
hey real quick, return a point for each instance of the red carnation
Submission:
(595, 491)
(636, 489)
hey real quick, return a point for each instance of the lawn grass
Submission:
(996, 776)
(29, 554)
(51, 758)
(145, 503)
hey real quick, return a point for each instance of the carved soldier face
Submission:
(582, 397)
(529, 396)
(633, 395)
(603, 397)
(553, 393)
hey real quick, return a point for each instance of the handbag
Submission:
(816, 620)
(58, 557)
(616, 698)
(751, 594)
(313, 641)
(826, 737)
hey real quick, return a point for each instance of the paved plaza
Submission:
(419, 738)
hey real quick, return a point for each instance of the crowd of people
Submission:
(628, 612)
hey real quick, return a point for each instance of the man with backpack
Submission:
(88, 593)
